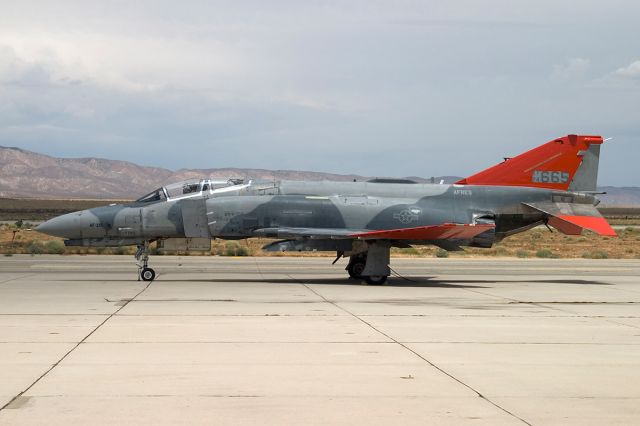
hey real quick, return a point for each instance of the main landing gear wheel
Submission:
(355, 269)
(147, 274)
(376, 279)
(356, 265)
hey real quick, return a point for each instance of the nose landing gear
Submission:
(142, 255)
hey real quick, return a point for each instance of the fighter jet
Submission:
(553, 185)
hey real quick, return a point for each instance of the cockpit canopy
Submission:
(192, 188)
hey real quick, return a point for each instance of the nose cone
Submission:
(65, 226)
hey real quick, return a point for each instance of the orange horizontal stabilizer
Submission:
(573, 225)
(446, 231)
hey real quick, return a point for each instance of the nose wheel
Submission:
(142, 256)
(147, 274)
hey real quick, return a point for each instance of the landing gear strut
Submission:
(142, 256)
(371, 265)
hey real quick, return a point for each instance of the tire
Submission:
(355, 269)
(376, 279)
(147, 274)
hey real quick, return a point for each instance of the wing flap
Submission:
(446, 231)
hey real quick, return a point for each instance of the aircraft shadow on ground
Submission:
(393, 282)
(431, 282)
(579, 282)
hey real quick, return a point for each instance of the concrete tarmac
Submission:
(236, 341)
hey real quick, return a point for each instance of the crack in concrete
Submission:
(403, 345)
(19, 397)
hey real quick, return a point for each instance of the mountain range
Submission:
(27, 174)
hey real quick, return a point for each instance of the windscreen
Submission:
(157, 195)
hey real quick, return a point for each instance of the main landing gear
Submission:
(371, 265)
(356, 265)
(142, 255)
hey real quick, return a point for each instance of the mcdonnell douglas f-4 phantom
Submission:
(553, 184)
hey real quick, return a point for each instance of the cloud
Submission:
(630, 71)
(370, 87)
(623, 78)
(17, 71)
(573, 69)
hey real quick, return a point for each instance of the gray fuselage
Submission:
(320, 205)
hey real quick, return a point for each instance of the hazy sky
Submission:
(393, 88)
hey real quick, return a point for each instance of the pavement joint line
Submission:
(572, 303)
(43, 375)
(622, 323)
(223, 342)
(341, 342)
(177, 300)
(16, 278)
(553, 398)
(516, 301)
(570, 315)
(165, 396)
(255, 259)
(603, 318)
(471, 342)
(545, 305)
(233, 315)
(403, 345)
(625, 289)
(18, 314)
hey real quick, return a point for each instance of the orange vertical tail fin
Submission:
(554, 165)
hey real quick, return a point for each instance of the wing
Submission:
(331, 233)
(572, 219)
(445, 231)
